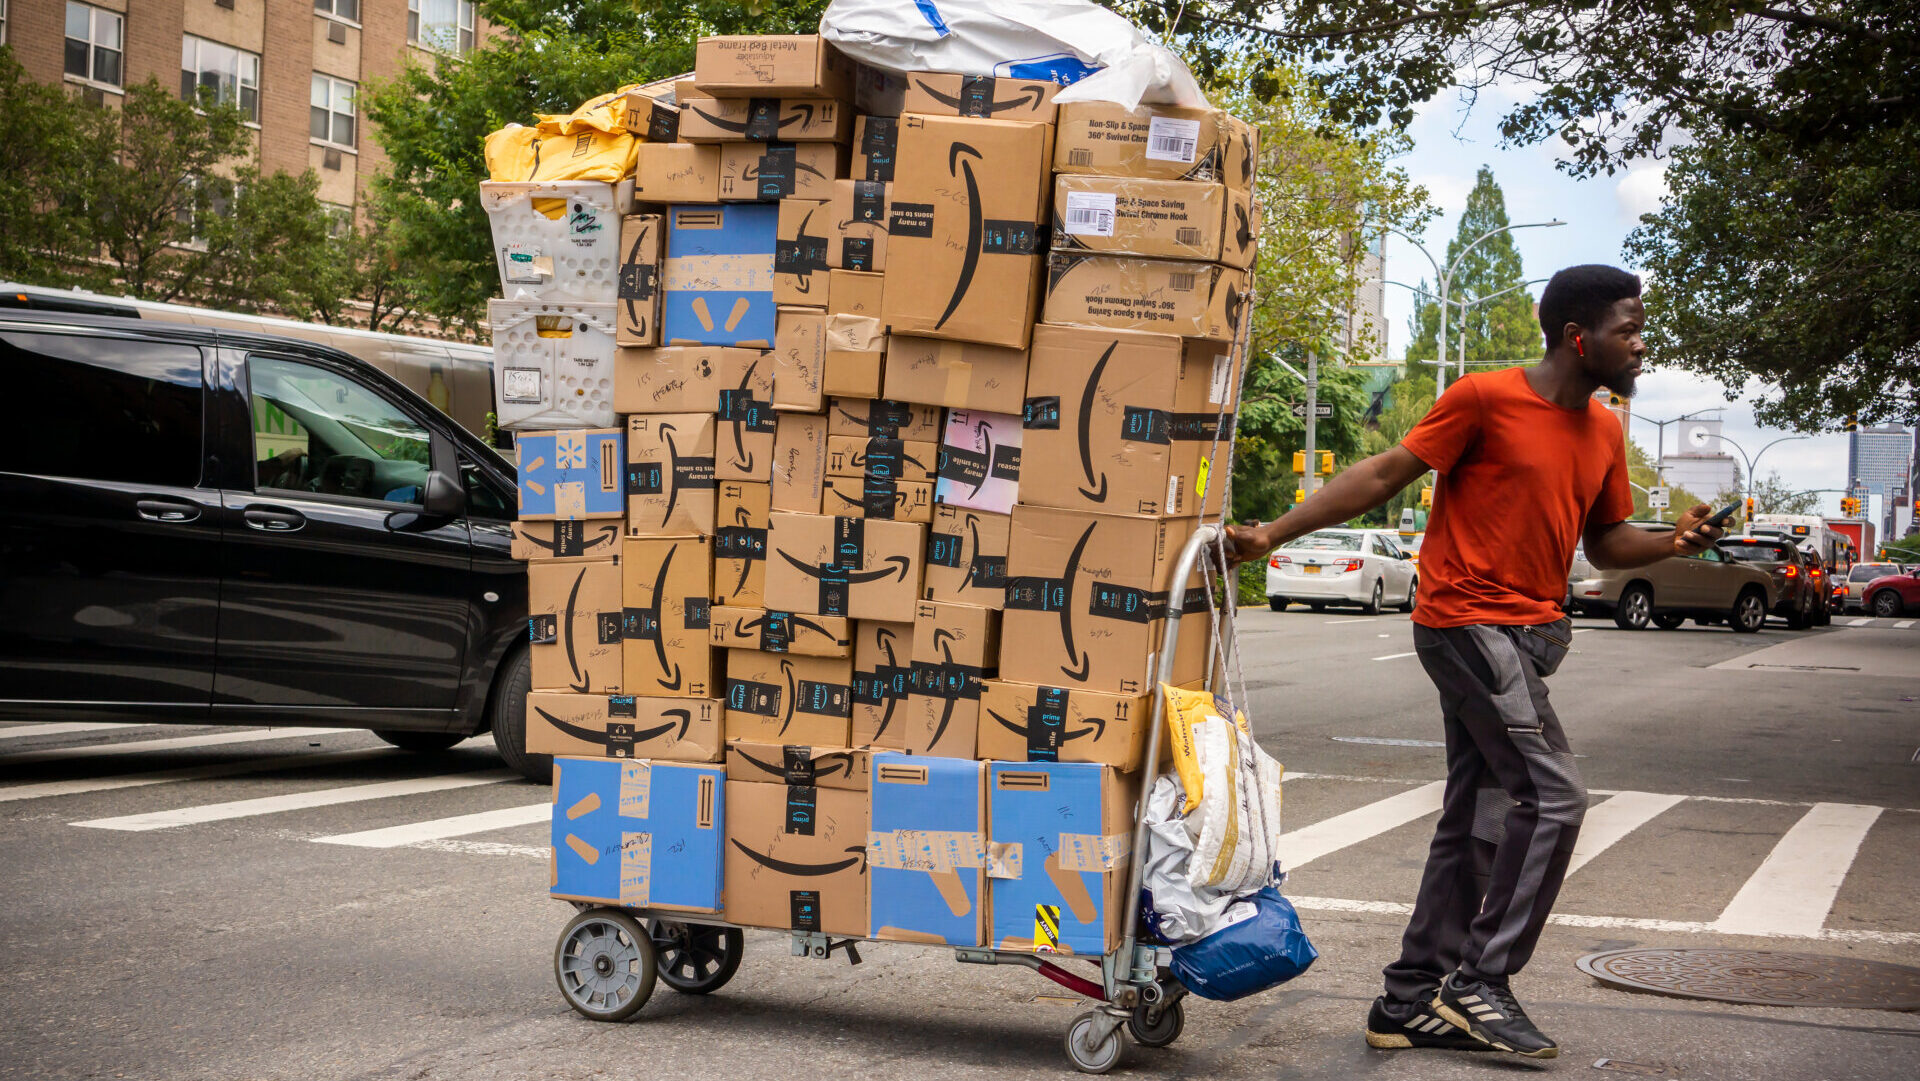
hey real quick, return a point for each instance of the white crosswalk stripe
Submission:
(1615, 817)
(295, 801)
(59, 728)
(1793, 890)
(442, 828)
(177, 743)
(1302, 846)
(1903, 625)
(1867, 622)
(82, 785)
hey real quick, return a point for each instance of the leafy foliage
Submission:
(1499, 330)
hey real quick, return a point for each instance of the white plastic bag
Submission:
(1096, 54)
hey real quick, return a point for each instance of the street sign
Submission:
(1322, 410)
(1657, 498)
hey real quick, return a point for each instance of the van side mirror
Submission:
(445, 498)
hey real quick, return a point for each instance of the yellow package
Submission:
(605, 114)
(521, 153)
(1186, 708)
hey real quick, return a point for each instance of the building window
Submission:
(339, 219)
(339, 9)
(444, 25)
(332, 111)
(219, 205)
(227, 75)
(94, 37)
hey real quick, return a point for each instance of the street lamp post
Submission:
(1660, 446)
(1445, 277)
(1747, 492)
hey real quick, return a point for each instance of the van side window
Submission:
(102, 408)
(315, 430)
(482, 500)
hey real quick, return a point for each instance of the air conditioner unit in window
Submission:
(336, 32)
(228, 4)
(331, 160)
(93, 95)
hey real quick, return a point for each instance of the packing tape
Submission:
(959, 372)
(1092, 852)
(933, 851)
(636, 789)
(1003, 859)
(852, 333)
(636, 868)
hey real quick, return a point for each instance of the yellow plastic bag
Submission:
(605, 114)
(1186, 708)
(522, 153)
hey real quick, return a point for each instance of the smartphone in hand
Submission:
(1718, 519)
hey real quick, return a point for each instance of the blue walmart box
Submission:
(1057, 855)
(639, 833)
(719, 275)
(926, 849)
(570, 475)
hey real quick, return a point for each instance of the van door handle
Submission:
(166, 510)
(274, 521)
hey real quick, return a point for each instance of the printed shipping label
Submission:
(1218, 390)
(525, 263)
(1090, 213)
(520, 384)
(1172, 139)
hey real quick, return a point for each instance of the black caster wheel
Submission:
(1157, 1027)
(1087, 1050)
(695, 959)
(605, 965)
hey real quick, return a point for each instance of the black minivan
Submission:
(207, 527)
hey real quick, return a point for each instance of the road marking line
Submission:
(178, 743)
(1793, 890)
(1607, 822)
(59, 729)
(1581, 630)
(1861, 622)
(439, 828)
(485, 848)
(1635, 923)
(46, 789)
(1331, 622)
(1302, 846)
(1395, 656)
(295, 801)
(1903, 625)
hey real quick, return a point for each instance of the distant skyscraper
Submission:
(1880, 461)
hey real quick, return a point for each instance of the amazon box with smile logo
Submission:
(799, 462)
(882, 679)
(967, 556)
(670, 482)
(938, 93)
(789, 698)
(958, 375)
(745, 419)
(782, 632)
(833, 566)
(769, 172)
(643, 833)
(955, 648)
(797, 858)
(680, 379)
(800, 254)
(1166, 219)
(786, 763)
(1087, 598)
(624, 726)
(1164, 296)
(980, 461)
(964, 236)
(1020, 722)
(740, 542)
(1057, 852)
(926, 851)
(759, 120)
(568, 542)
(573, 626)
(664, 588)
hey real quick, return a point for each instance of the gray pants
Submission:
(1510, 815)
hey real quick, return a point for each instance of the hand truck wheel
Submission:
(695, 959)
(1089, 1052)
(1157, 1026)
(604, 964)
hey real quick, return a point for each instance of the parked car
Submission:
(1857, 580)
(1342, 566)
(1799, 598)
(1893, 594)
(1708, 587)
(212, 527)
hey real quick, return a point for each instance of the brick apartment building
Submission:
(296, 66)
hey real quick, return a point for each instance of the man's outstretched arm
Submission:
(1619, 546)
(1350, 493)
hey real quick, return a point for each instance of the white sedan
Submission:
(1366, 567)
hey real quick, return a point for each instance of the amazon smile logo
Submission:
(897, 566)
(1087, 397)
(1096, 727)
(805, 870)
(959, 167)
(609, 738)
(1035, 594)
(982, 104)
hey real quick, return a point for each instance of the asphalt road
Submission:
(245, 904)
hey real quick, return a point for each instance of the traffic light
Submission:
(1849, 507)
(1300, 463)
(1615, 401)
(1326, 463)
(1426, 495)
(1299, 495)
(1853, 422)
(1749, 508)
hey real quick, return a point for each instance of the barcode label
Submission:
(1172, 139)
(1187, 235)
(1080, 156)
(1090, 213)
(1180, 281)
(1217, 389)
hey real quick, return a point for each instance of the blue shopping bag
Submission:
(1244, 958)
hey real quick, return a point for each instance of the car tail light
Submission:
(1277, 560)
(1791, 571)
(1350, 565)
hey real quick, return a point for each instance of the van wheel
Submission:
(1278, 604)
(421, 742)
(1413, 590)
(1635, 609)
(1749, 612)
(1667, 621)
(509, 719)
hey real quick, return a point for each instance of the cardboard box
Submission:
(1118, 292)
(746, 423)
(769, 172)
(740, 542)
(566, 542)
(1121, 422)
(782, 632)
(878, 91)
(967, 556)
(965, 234)
(882, 680)
(667, 172)
(1086, 601)
(982, 96)
(880, 458)
(853, 292)
(573, 626)
(857, 215)
(682, 378)
(637, 315)
(624, 726)
(833, 566)
(1166, 219)
(955, 648)
(1158, 142)
(878, 500)
(719, 275)
(980, 461)
(771, 65)
(846, 769)
(641, 833)
(665, 583)
(884, 417)
(1020, 722)
(764, 119)
(799, 462)
(926, 850)
(670, 482)
(856, 356)
(796, 858)
(800, 253)
(800, 359)
(651, 114)
(876, 139)
(789, 698)
(1057, 848)
(569, 475)
(958, 375)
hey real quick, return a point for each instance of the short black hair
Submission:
(1582, 294)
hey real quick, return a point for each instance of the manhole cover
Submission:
(1759, 977)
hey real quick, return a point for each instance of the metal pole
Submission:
(1313, 393)
(1440, 354)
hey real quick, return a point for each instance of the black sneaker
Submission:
(1420, 1028)
(1491, 1013)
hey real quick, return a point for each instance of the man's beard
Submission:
(1621, 382)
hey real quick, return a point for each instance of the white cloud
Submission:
(1641, 190)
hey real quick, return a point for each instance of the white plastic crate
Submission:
(552, 364)
(573, 254)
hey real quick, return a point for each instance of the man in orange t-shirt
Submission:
(1529, 466)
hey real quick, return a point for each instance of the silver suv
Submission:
(1709, 587)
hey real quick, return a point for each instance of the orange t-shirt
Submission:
(1520, 478)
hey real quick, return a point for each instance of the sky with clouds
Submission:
(1451, 142)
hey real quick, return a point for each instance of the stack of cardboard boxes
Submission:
(867, 587)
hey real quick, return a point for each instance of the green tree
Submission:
(1641, 472)
(1408, 401)
(41, 234)
(269, 252)
(1502, 329)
